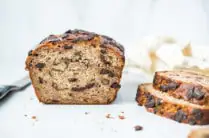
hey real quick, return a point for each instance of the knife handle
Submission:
(5, 89)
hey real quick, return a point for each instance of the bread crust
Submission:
(192, 92)
(163, 107)
(76, 38)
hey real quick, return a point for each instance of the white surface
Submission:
(24, 23)
(66, 121)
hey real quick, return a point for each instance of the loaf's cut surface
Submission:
(184, 84)
(77, 67)
(199, 133)
(164, 105)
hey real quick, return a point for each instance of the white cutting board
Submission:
(70, 121)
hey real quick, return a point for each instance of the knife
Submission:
(16, 86)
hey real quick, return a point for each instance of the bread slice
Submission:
(167, 106)
(77, 67)
(199, 133)
(184, 84)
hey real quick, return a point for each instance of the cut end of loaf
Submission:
(81, 68)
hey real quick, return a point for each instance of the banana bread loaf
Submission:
(184, 84)
(77, 67)
(164, 105)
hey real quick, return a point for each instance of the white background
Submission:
(25, 23)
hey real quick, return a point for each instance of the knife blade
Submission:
(16, 86)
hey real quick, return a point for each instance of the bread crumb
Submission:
(34, 117)
(138, 128)
(86, 113)
(121, 117)
(109, 116)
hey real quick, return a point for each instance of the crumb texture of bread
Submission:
(184, 84)
(167, 106)
(199, 133)
(77, 67)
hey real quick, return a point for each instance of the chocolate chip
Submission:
(30, 53)
(40, 80)
(88, 86)
(192, 121)
(172, 85)
(105, 81)
(115, 85)
(65, 36)
(103, 51)
(164, 88)
(102, 57)
(198, 94)
(106, 71)
(150, 103)
(77, 39)
(189, 93)
(67, 47)
(40, 65)
(72, 79)
(149, 97)
(107, 37)
(90, 37)
(54, 85)
(197, 113)
(138, 128)
(180, 116)
(158, 102)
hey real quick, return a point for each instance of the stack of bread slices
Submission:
(180, 95)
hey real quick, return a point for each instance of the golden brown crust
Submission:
(192, 92)
(77, 37)
(73, 38)
(163, 107)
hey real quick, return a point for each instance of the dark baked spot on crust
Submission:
(87, 86)
(30, 53)
(68, 31)
(40, 65)
(51, 38)
(115, 85)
